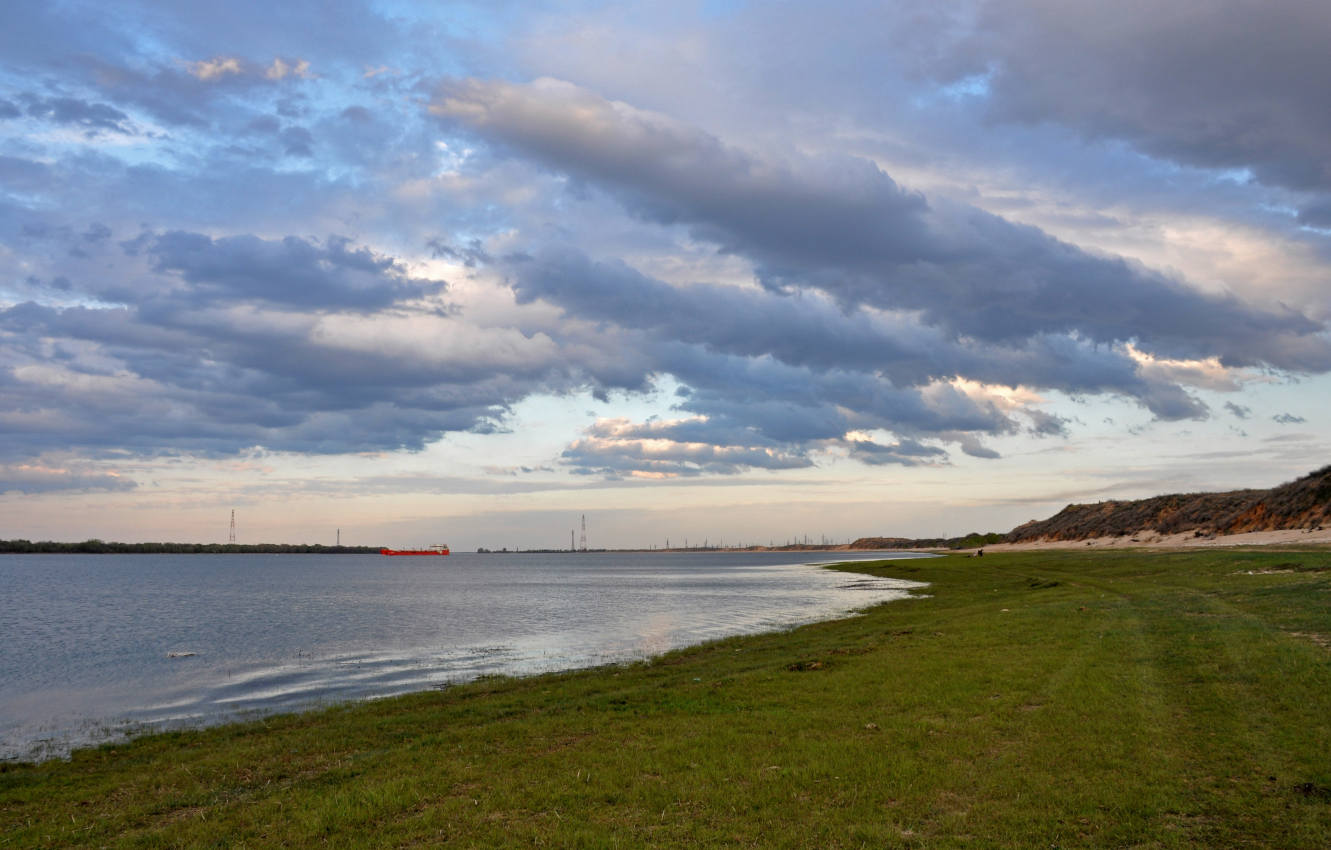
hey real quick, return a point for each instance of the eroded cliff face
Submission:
(1303, 503)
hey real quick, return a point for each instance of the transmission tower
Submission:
(232, 537)
(582, 539)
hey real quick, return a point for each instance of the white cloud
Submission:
(215, 68)
(280, 69)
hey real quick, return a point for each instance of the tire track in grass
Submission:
(1092, 733)
(1255, 720)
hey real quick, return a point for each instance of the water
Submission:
(97, 646)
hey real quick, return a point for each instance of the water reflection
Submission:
(103, 644)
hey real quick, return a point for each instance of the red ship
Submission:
(436, 549)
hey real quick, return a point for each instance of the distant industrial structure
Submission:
(231, 538)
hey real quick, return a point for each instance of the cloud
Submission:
(808, 330)
(232, 342)
(615, 447)
(215, 345)
(794, 403)
(1219, 86)
(873, 297)
(974, 448)
(34, 478)
(212, 69)
(219, 67)
(739, 242)
(1044, 424)
(1288, 419)
(218, 387)
(292, 271)
(210, 93)
(841, 226)
(905, 453)
(24, 174)
(281, 69)
(175, 97)
(1240, 411)
(1316, 215)
(92, 117)
(298, 141)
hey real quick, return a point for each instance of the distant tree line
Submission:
(102, 547)
(973, 540)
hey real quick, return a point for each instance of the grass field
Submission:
(1059, 699)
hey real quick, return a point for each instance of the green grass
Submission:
(1106, 699)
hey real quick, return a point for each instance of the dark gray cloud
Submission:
(224, 344)
(809, 331)
(1216, 85)
(1316, 215)
(796, 403)
(844, 227)
(471, 255)
(1288, 419)
(215, 386)
(904, 453)
(92, 117)
(293, 271)
(298, 141)
(974, 448)
(1044, 424)
(1240, 411)
(220, 348)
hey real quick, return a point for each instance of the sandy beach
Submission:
(1185, 540)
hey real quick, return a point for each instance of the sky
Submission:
(714, 271)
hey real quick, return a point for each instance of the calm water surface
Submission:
(94, 646)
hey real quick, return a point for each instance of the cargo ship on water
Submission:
(436, 549)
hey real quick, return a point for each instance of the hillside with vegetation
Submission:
(1301, 504)
(968, 541)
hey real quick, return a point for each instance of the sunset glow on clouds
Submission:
(735, 270)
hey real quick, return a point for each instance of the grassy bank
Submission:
(1057, 699)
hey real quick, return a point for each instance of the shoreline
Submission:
(60, 735)
(925, 723)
